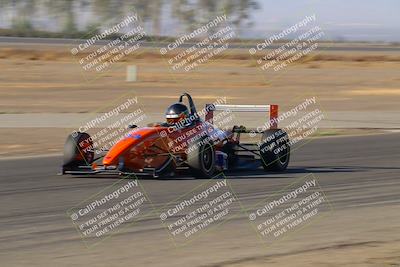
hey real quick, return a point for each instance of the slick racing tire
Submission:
(78, 150)
(201, 158)
(275, 150)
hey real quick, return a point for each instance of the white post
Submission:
(131, 73)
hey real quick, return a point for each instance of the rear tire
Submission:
(201, 158)
(78, 150)
(275, 150)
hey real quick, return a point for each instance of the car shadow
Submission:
(246, 174)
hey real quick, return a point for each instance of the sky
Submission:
(346, 20)
(366, 20)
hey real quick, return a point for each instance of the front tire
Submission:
(275, 150)
(201, 158)
(78, 150)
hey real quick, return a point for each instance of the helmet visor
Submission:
(172, 119)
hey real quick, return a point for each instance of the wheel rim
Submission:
(207, 158)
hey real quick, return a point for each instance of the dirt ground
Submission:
(46, 83)
(363, 254)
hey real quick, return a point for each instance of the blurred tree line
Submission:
(73, 17)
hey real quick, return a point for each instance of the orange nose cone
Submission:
(135, 137)
(111, 158)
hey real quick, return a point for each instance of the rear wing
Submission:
(271, 110)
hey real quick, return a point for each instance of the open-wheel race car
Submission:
(185, 142)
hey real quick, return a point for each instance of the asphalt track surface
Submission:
(355, 173)
(62, 41)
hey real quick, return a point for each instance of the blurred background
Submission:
(353, 20)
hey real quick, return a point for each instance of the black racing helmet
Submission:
(176, 113)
